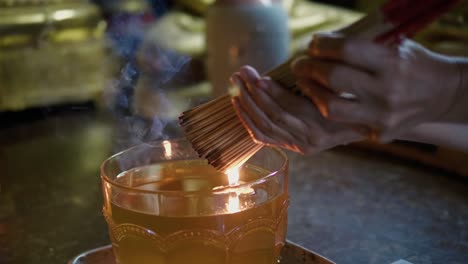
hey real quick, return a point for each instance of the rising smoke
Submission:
(138, 99)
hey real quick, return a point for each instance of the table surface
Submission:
(348, 205)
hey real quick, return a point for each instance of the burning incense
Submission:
(218, 135)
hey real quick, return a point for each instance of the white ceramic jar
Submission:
(244, 32)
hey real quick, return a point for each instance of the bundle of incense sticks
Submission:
(218, 135)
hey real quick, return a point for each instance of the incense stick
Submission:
(215, 130)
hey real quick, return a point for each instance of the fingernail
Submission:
(236, 85)
(235, 80)
(249, 73)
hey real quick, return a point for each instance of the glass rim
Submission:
(222, 190)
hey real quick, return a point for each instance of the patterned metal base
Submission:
(292, 254)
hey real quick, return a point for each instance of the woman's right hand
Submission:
(394, 88)
(276, 116)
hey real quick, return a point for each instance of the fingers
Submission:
(250, 76)
(357, 52)
(276, 113)
(365, 119)
(334, 109)
(288, 101)
(254, 132)
(275, 116)
(336, 76)
(261, 127)
(280, 105)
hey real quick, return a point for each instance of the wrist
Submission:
(458, 111)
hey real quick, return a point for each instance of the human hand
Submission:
(276, 116)
(396, 88)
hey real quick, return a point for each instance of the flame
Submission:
(167, 149)
(233, 175)
(233, 204)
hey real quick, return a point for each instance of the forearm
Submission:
(449, 135)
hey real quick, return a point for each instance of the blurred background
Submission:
(144, 62)
(56, 52)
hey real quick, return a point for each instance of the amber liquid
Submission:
(198, 230)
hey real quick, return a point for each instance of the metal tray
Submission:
(292, 254)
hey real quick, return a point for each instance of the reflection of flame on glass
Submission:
(233, 178)
(167, 149)
(233, 205)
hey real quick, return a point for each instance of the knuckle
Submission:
(393, 121)
(266, 127)
(309, 150)
(312, 142)
(385, 125)
(393, 100)
(391, 62)
(389, 94)
(336, 78)
(276, 117)
(389, 121)
(304, 128)
(381, 121)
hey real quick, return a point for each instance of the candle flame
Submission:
(233, 204)
(233, 175)
(233, 200)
